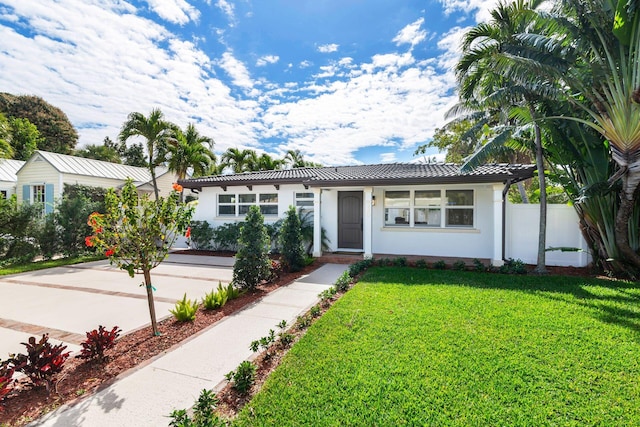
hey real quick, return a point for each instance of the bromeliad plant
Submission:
(219, 297)
(98, 341)
(136, 232)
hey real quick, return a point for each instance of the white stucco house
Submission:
(42, 178)
(391, 209)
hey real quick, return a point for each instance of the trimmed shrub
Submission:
(290, 239)
(226, 236)
(201, 235)
(252, 261)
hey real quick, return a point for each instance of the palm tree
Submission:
(157, 132)
(495, 74)
(266, 163)
(190, 150)
(238, 160)
(294, 159)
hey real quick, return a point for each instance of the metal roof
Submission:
(380, 174)
(8, 169)
(96, 168)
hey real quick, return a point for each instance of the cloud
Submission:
(482, 8)
(175, 11)
(411, 34)
(328, 48)
(236, 70)
(267, 59)
(100, 63)
(229, 10)
(388, 157)
(305, 64)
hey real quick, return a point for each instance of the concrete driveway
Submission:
(68, 301)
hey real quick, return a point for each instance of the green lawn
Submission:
(443, 348)
(40, 265)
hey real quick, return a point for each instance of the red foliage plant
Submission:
(98, 341)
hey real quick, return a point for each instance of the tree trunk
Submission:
(523, 192)
(625, 210)
(152, 308)
(153, 180)
(541, 267)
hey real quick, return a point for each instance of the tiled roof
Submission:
(8, 169)
(381, 174)
(97, 168)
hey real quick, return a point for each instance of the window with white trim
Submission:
(429, 208)
(237, 205)
(304, 201)
(38, 196)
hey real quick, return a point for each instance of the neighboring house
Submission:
(386, 209)
(8, 169)
(41, 179)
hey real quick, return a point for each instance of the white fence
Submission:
(563, 230)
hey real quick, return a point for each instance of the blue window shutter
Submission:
(48, 198)
(26, 193)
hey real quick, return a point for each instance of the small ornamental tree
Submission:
(252, 259)
(290, 240)
(136, 232)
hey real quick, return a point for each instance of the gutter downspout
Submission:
(505, 191)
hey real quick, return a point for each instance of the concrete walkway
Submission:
(146, 396)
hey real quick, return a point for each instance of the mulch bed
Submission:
(80, 378)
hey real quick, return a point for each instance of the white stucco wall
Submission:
(563, 230)
(207, 207)
(475, 242)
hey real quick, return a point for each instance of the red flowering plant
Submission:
(136, 233)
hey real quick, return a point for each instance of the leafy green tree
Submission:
(57, 132)
(78, 201)
(252, 263)
(25, 138)
(133, 155)
(107, 152)
(136, 233)
(290, 239)
(17, 230)
(453, 138)
(158, 134)
(295, 159)
(6, 150)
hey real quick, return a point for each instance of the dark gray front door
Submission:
(350, 220)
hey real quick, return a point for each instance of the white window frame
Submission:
(442, 206)
(303, 200)
(242, 202)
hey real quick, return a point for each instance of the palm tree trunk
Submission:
(523, 192)
(541, 267)
(152, 308)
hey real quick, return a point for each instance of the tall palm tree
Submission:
(157, 132)
(495, 74)
(238, 160)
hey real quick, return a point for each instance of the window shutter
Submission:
(48, 198)
(26, 194)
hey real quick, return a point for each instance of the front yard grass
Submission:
(41, 265)
(443, 348)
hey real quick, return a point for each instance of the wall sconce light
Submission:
(373, 200)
